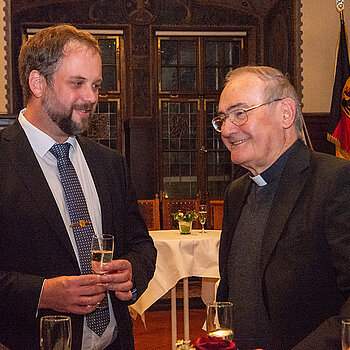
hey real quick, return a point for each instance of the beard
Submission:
(61, 115)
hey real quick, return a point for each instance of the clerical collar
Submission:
(275, 170)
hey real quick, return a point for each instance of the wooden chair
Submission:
(149, 209)
(170, 206)
(216, 213)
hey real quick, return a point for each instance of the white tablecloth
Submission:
(179, 256)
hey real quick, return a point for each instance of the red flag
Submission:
(339, 124)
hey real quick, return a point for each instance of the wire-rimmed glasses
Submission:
(237, 116)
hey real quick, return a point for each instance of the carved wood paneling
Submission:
(141, 93)
(316, 124)
(143, 161)
(140, 40)
(280, 40)
(195, 13)
(140, 11)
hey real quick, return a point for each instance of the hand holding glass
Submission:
(55, 333)
(102, 248)
(202, 215)
(219, 320)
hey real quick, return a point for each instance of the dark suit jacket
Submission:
(305, 255)
(35, 244)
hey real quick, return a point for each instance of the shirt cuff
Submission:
(37, 308)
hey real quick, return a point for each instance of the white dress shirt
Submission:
(41, 144)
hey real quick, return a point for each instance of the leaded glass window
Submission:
(103, 124)
(178, 65)
(220, 58)
(191, 72)
(179, 148)
(219, 165)
(110, 69)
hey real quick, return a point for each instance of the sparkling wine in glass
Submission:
(55, 333)
(202, 215)
(102, 248)
(219, 320)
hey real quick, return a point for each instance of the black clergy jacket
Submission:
(35, 244)
(305, 254)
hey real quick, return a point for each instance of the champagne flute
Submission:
(345, 335)
(219, 320)
(202, 215)
(55, 333)
(102, 248)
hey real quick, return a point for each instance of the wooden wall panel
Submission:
(316, 124)
(143, 158)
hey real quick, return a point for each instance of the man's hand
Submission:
(72, 294)
(118, 278)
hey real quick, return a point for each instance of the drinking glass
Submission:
(55, 333)
(102, 248)
(202, 215)
(219, 320)
(345, 335)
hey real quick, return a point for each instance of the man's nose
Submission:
(90, 94)
(229, 128)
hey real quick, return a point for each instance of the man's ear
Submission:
(288, 110)
(37, 83)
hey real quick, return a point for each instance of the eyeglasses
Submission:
(238, 116)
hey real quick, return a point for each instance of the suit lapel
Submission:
(19, 152)
(295, 174)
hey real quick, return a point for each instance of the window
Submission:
(105, 127)
(191, 71)
(179, 130)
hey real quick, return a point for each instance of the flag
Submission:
(339, 123)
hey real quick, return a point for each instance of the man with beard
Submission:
(44, 269)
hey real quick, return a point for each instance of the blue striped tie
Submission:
(81, 224)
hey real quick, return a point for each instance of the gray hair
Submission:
(278, 87)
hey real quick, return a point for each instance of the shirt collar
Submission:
(275, 170)
(40, 142)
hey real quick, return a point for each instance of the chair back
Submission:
(149, 209)
(170, 206)
(216, 213)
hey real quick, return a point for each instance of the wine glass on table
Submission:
(55, 333)
(102, 248)
(219, 320)
(202, 215)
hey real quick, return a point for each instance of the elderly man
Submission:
(285, 243)
(57, 190)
